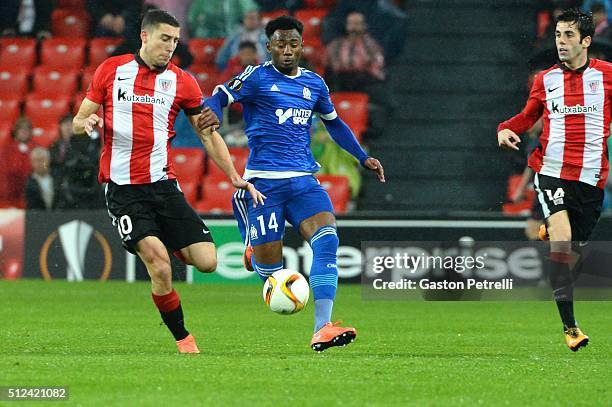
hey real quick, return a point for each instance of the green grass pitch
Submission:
(105, 342)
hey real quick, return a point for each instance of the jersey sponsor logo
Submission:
(300, 116)
(306, 93)
(577, 109)
(235, 84)
(123, 96)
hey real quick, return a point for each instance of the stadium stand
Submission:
(17, 52)
(63, 52)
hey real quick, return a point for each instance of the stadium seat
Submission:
(271, 15)
(100, 49)
(45, 133)
(188, 164)
(5, 132)
(76, 4)
(216, 196)
(63, 52)
(53, 81)
(46, 111)
(337, 186)
(208, 76)
(239, 158)
(17, 52)
(326, 4)
(522, 207)
(312, 19)
(204, 50)
(190, 190)
(352, 107)
(70, 22)
(13, 82)
(10, 109)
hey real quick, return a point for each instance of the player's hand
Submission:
(91, 122)
(208, 118)
(374, 165)
(258, 197)
(508, 139)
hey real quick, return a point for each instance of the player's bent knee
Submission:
(202, 255)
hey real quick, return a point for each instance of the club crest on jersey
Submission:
(165, 84)
(306, 93)
(300, 116)
(235, 84)
(594, 85)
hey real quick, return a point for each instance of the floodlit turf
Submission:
(104, 341)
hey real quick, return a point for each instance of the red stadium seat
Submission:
(77, 4)
(45, 133)
(204, 50)
(46, 111)
(70, 22)
(314, 53)
(100, 49)
(13, 83)
(312, 20)
(17, 52)
(53, 81)
(326, 4)
(522, 207)
(10, 109)
(86, 78)
(190, 190)
(216, 196)
(271, 15)
(5, 132)
(352, 107)
(337, 186)
(239, 158)
(208, 76)
(188, 164)
(63, 52)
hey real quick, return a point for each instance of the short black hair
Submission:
(247, 44)
(283, 23)
(584, 21)
(154, 17)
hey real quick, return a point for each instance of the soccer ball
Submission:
(286, 292)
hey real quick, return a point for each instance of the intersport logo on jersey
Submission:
(300, 116)
(577, 109)
(124, 97)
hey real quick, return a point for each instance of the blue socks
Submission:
(324, 273)
(265, 270)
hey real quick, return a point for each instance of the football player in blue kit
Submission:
(278, 100)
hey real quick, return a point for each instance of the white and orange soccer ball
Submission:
(286, 292)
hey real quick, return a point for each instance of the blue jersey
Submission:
(278, 112)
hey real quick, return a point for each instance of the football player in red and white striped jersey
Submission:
(141, 96)
(571, 162)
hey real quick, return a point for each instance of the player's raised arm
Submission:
(217, 150)
(86, 119)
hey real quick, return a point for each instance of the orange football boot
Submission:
(575, 339)
(543, 233)
(187, 345)
(246, 258)
(332, 335)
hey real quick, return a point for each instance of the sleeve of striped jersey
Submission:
(191, 103)
(243, 87)
(532, 111)
(324, 105)
(97, 88)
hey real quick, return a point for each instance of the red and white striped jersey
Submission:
(140, 106)
(575, 106)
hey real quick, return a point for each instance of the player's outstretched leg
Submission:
(323, 282)
(155, 257)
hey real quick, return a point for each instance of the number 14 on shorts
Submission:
(272, 224)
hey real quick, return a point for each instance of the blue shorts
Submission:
(291, 199)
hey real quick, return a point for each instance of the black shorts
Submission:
(582, 202)
(157, 209)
